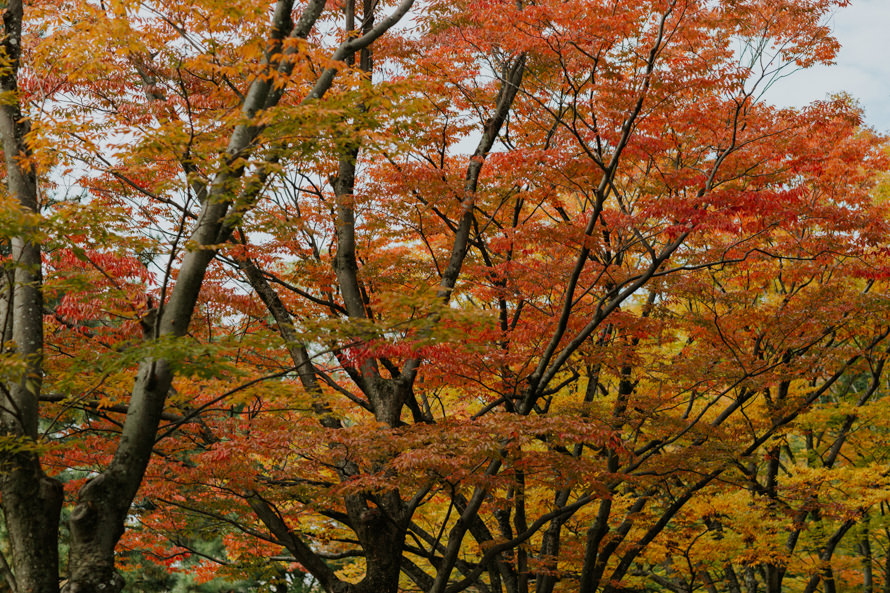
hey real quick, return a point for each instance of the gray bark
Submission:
(31, 500)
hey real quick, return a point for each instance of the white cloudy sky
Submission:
(862, 68)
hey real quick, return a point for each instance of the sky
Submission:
(862, 67)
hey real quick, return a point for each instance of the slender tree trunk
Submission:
(750, 580)
(732, 580)
(885, 569)
(772, 572)
(865, 550)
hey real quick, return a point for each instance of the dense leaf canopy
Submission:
(438, 295)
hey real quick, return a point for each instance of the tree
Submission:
(32, 500)
(363, 352)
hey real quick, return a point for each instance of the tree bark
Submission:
(31, 500)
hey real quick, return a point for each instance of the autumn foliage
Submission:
(438, 295)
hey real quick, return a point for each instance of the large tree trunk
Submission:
(31, 504)
(31, 501)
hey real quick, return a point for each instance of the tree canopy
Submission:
(438, 295)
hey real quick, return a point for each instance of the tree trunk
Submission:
(31, 501)
(865, 550)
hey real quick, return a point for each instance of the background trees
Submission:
(439, 296)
